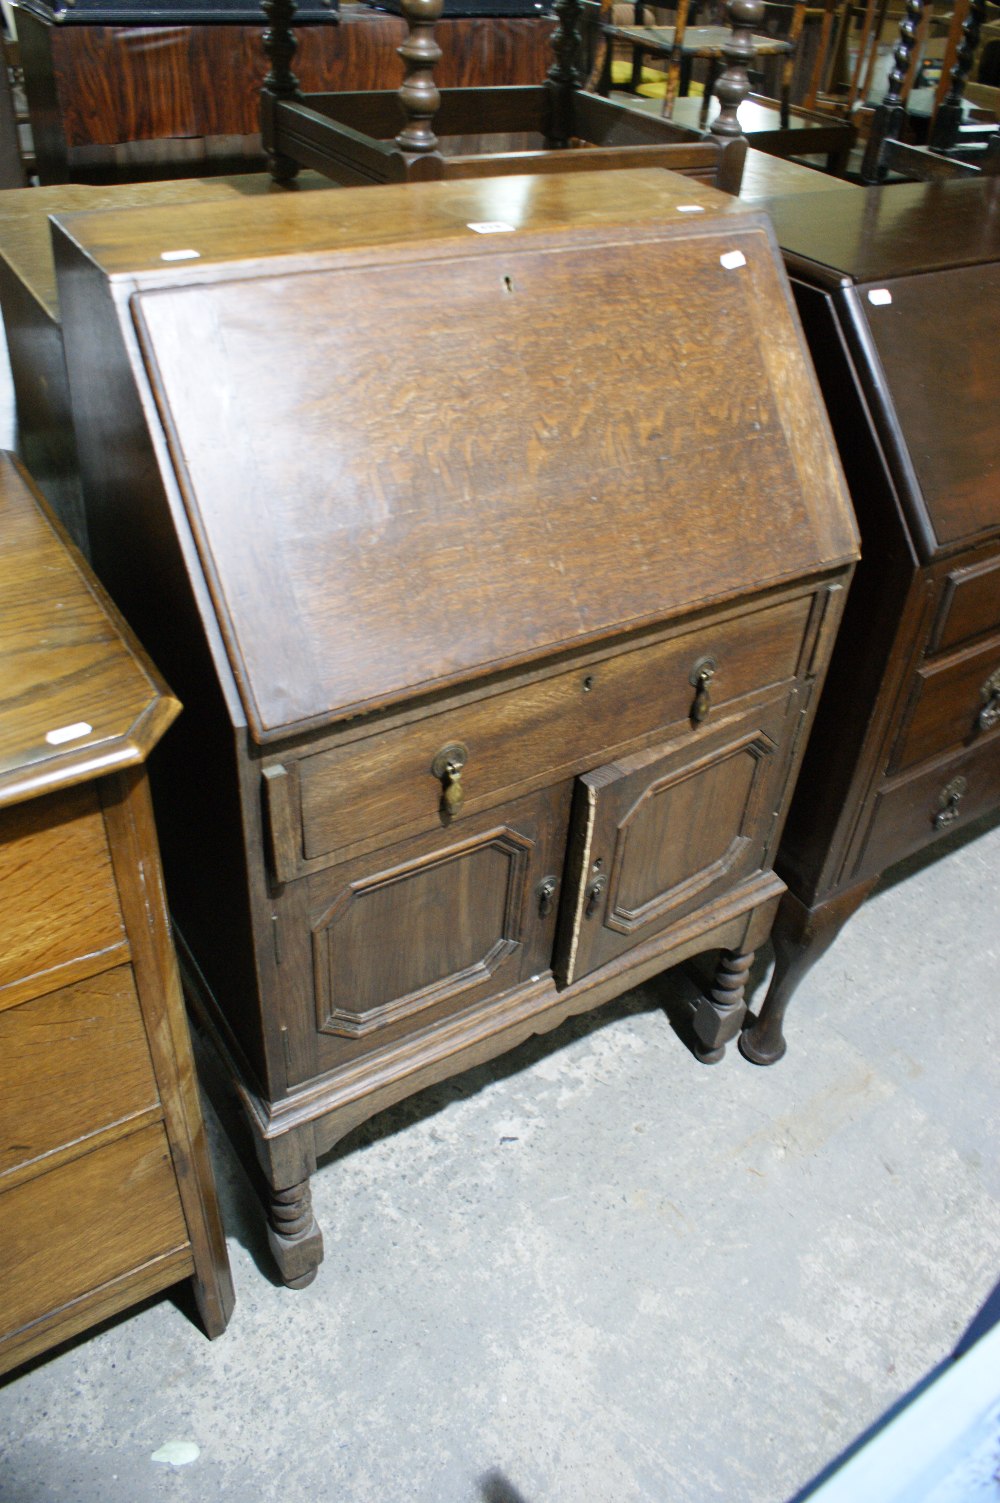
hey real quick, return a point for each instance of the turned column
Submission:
(718, 1017)
(733, 85)
(280, 83)
(418, 93)
(564, 76)
(949, 115)
(889, 122)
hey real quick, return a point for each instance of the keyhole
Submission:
(508, 284)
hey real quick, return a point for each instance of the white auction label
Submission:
(880, 296)
(492, 227)
(690, 208)
(69, 733)
(181, 255)
(732, 259)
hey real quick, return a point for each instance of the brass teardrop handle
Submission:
(700, 678)
(948, 801)
(989, 715)
(447, 768)
(594, 892)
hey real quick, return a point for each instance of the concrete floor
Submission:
(595, 1271)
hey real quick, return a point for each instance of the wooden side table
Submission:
(106, 1190)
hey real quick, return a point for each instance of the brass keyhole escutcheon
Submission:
(447, 768)
(700, 677)
(546, 893)
(948, 801)
(989, 715)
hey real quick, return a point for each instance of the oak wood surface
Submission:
(427, 941)
(970, 604)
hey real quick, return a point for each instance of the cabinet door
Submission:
(668, 830)
(433, 926)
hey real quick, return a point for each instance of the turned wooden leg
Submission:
(800, 936)
(718, 1017)
(293, 1235)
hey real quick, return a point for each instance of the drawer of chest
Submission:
(72, 1063)
(389, 784)
(910, 812)
(970, 605)
(955, 702)
(59, 911)
(84, 1224)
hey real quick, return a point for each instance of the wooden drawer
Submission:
(80, 1226)
(71, 1064)
(970, 605)
(954, 702)
(383, 784)
(911, 813)
(59, 912)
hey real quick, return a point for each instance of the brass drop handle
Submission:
(546, 892)
(594, 892)
(989, 715)
(700, 678)
(948, 801)
(447, 768)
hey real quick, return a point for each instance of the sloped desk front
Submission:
(494, 534)
(106, 1190)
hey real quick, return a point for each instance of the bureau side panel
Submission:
(140, 559)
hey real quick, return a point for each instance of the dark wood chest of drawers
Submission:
(495, 540)
(106, 1191)
(899, 292)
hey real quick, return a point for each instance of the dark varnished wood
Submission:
(92, 89)
(97, 1090)
(904, 750)
(437, 574)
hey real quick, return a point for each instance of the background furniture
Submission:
(899, 293)
(106, 1190)
(174, 98)
(495, 688)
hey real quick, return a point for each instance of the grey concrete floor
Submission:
(595, 1271)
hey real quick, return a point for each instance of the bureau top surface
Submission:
(77, 696)
(893, 231)
(427, 458)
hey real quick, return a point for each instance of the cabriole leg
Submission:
(800, 936)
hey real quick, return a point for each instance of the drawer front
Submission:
(59, 911)
(955, 702)
(970, 605)
(404, 939)
(659, 834)
(77, 1227)
(929, 804)
(384, 784)
(71, 1064)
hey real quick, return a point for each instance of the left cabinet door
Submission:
(663, 832)
(428, 928)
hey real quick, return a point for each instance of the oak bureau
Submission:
(899, 292)
(106, 1190)
(494, 536)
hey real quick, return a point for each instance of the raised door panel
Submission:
(658, 834)
(433, 926)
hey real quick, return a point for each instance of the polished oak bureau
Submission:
(106, 1190)
(899, 293)
(494, 537)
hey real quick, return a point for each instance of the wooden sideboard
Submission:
(899, 292)
(106, 1190)
(496, 542)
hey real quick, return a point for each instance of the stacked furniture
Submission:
(899, 293)
(106, 1191)
(496, 688)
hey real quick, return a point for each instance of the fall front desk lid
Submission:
(403, 476)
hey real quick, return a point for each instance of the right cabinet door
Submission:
(658, 834)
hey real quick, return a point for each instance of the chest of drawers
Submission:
(899, 292)
(496, 542)
(106, 1192)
